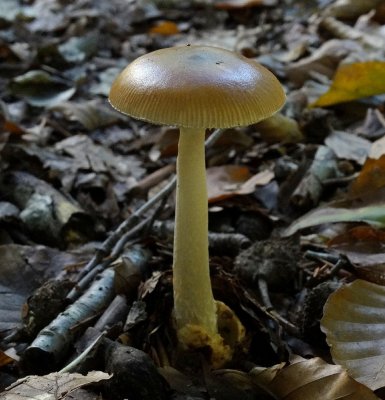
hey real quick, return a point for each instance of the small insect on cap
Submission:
(197, 87)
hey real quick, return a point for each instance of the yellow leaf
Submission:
(354, 81)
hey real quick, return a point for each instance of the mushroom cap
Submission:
(197, 87)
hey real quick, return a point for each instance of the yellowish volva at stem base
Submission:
(197, 315)
(221, 345)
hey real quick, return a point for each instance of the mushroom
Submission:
(195, 88)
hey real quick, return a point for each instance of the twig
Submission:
(87, 279)
(74, 363)
(269, 308)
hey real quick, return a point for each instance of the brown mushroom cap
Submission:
(197, 87)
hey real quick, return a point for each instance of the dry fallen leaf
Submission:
(311, 379)
(371, 177)
(5, 359)
(50, 387)
(364, 246)
(354, 81)
(348, 146)
(91, 114)
(354, 324)
(302, 379)
(324, 60)
(378, 148)
(231, 180)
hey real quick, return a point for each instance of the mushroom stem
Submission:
(193, 298)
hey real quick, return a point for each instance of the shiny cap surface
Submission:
(197, 87)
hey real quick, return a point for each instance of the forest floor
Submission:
(296, 205)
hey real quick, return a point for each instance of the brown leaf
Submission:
(231, 180)
(310, 379)
(50, 387)
(364, 247)
(354, 324)
(371, 177)
(5, 359)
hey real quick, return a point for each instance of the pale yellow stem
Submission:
(193, 298)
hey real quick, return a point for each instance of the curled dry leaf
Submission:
(371, 177)
(364, 246)
(91, 114)
(311, 379)
(232, 180)
(354, 324)
(348, 146)
(303, 379)
(50, 387)
(323, 61)
(5, 359)
(354, 81)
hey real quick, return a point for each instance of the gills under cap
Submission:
(197, 87)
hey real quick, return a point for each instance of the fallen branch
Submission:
(53, 342)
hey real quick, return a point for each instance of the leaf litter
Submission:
(74, 173)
